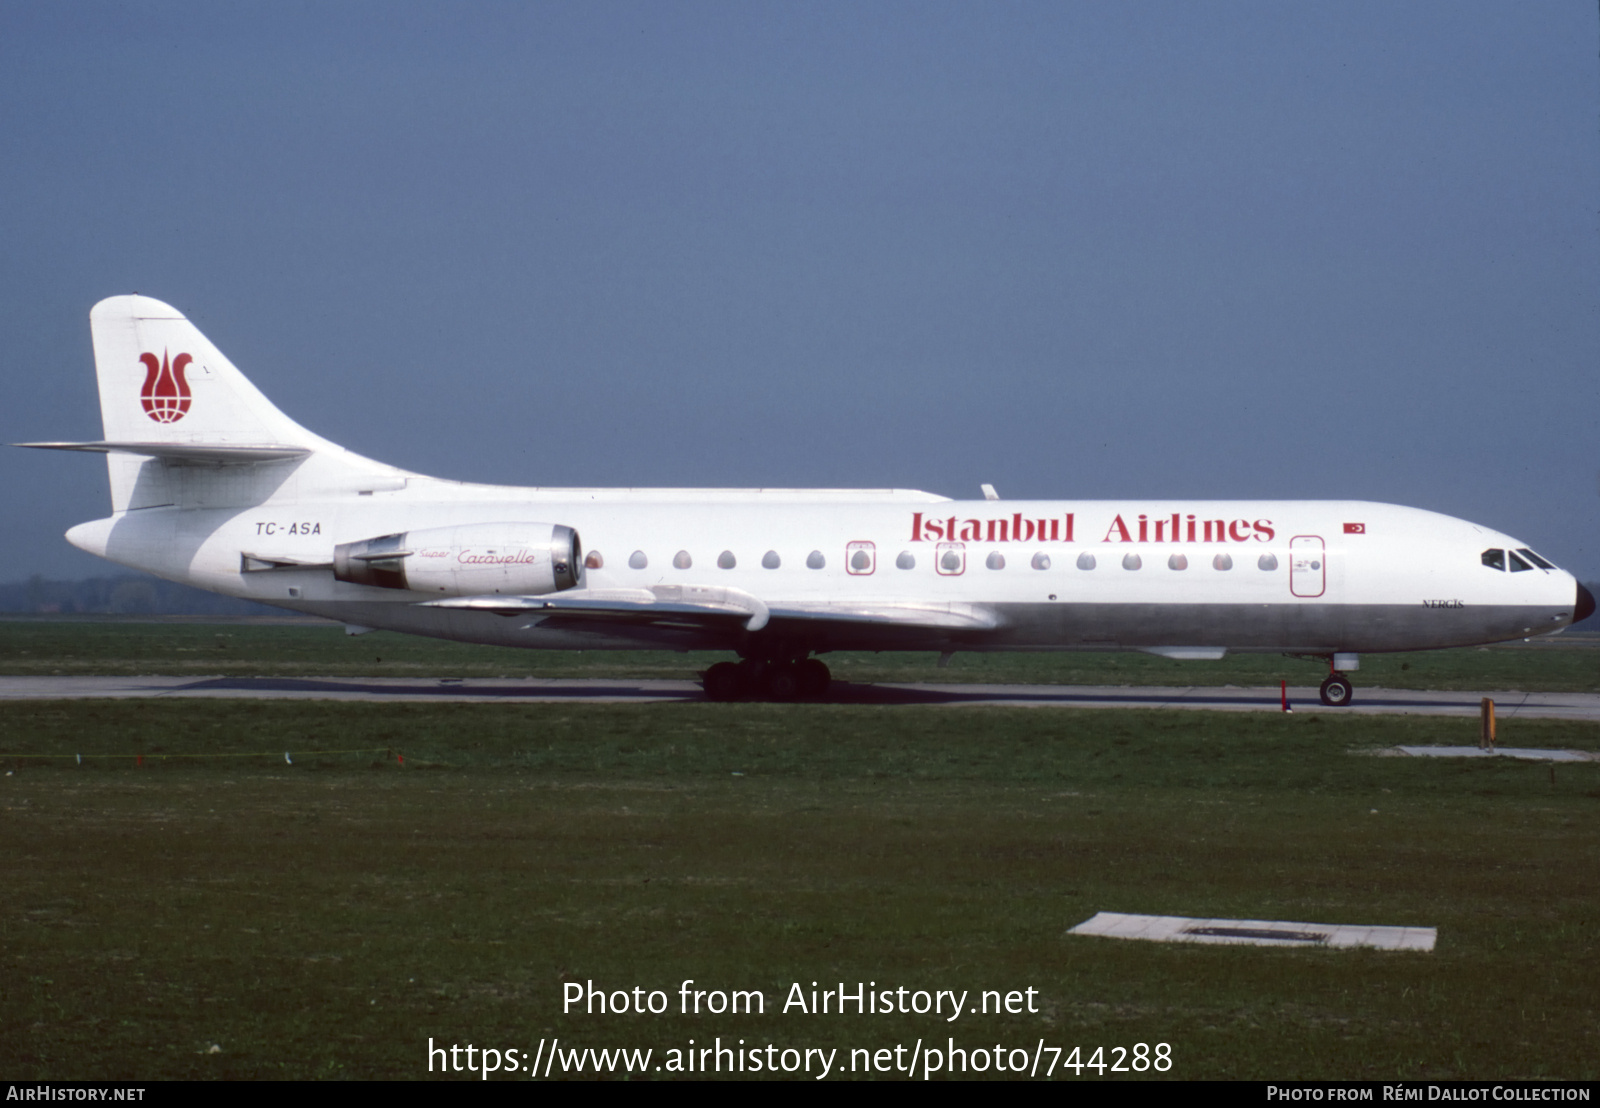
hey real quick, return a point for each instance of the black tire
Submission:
(814, 677)
(782, 682)
(723, 681)
(1337, 692)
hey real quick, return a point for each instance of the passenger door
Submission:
(1308, 566)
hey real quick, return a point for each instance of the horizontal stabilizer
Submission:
(192, 453)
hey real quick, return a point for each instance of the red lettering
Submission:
(1120, 528)
(1191, 528)
(1233, 530)
(972, 530)
(1069, 527)
(1264, 531)
(1160, 526)
(1144, 533)
(521, 558)
(916, 527)
(936, 529)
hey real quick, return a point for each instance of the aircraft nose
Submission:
(1585, 607)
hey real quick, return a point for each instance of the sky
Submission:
(1076, 250)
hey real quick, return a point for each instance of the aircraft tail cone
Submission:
(1585, 607)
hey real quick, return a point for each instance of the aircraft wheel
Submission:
(1337, 691)
(723, 681)
(783, 682)
(814, 677)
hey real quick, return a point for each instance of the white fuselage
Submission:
(1300, 576)
(212, 485)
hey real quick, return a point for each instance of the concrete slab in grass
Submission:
(1502, 752)
(1255, 932)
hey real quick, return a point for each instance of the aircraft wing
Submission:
(713, 608)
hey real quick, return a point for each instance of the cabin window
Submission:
(1222, 561)
(995, 560)
(815, 560)
(1041, 561)
(860, 557)
(593, 560)
(637, 560)
(770, 560)
(1086, 560)
(681, 560)
(726, 560)
(1534, 558)
(1268, 562)
(1178, 561)
(907, 560)
(1494, 559)
(1132, 561)
(1517, 564)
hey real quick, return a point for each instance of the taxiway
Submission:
(1369, 701)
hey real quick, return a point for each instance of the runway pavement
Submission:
(1508, 705)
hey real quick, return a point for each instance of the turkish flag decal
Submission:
(1355, 528)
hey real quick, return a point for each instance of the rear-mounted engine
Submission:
(523, 559)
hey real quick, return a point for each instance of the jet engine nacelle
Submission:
(524, 559)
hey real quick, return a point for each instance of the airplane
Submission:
(213, 486)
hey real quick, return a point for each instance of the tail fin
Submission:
(183, 426)
(162, 381)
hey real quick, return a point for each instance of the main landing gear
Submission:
(766, 680)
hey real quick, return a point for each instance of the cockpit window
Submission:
(1534, 558)
(1517, 564)
(1494, 559)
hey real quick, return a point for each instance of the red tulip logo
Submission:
(165, 393)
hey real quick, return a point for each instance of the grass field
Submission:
(1567, 663)
(325, 918)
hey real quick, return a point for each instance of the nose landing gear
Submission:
(1337, 691)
